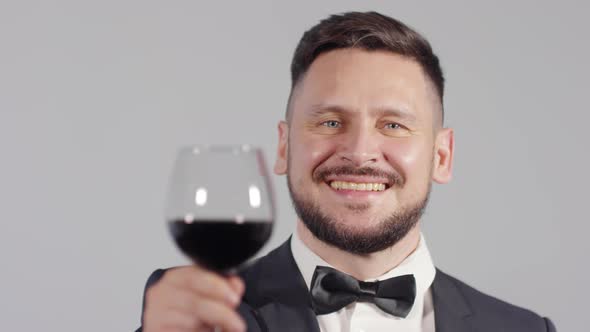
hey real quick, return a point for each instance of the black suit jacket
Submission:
(277, 299)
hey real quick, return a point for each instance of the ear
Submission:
(444, 146)
(281, 162)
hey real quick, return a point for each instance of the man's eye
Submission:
(331, 124)
(393, 126)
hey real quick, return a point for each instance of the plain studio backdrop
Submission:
(96, 96)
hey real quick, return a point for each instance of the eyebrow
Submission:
(320, 109)
(396, 112)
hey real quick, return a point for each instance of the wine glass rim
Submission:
(223, 148)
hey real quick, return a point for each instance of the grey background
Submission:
(95, 97)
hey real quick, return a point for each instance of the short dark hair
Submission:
(370, 31)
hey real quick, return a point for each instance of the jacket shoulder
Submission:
(258, 267)
(496, 314)
(262, 274)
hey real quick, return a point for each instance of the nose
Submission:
(359, 147)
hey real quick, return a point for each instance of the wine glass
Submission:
(220, 208)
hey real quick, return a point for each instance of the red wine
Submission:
(220, 245)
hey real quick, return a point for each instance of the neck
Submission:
(361, 267)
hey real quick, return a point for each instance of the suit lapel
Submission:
(285, 318)
(451, 311)
(278, 293)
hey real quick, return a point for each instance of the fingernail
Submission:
(233, 298)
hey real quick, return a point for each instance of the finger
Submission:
(179, 300)
(171, 320)
(207, 284)
(215, 314)
(172, 307)
(237, 284)
(208, 329)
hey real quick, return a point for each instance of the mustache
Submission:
(324, 173)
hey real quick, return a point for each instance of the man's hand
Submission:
(190, 298)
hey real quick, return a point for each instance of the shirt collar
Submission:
(419, 263)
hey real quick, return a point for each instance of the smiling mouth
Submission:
(358, 186)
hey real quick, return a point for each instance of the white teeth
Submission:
(357, 186)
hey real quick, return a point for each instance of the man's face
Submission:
(363, 144)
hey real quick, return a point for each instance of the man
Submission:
(362, 142)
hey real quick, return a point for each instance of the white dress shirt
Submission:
(367, 317)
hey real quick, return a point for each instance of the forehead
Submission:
(357, 80)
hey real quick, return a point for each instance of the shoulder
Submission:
(489, 311)
(259, 267)
(277, 262)
(266, 272)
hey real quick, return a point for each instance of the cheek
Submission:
(411, 158)
(309, 154)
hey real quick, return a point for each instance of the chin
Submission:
(359, 223)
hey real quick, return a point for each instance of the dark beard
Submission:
(385, 234)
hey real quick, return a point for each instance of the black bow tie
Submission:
(332, 290)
